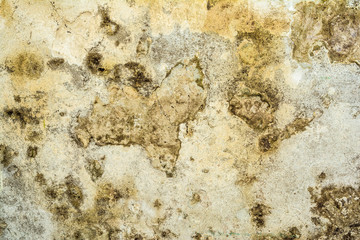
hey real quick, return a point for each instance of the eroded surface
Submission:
(216, 119)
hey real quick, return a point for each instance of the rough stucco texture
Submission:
(159, 119)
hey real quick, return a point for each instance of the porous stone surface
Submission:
(159, 119)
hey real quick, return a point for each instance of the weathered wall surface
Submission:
(159, 119)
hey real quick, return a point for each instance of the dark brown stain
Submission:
(337, 212)
(258, 214)
(115, 31)
(268, 141)
(271, 139)
(39, 178)
(157, 203)
(143, 47)
(137, 77)
(94, 62)
(290, 234)
(17, 98)
(322, 176)
(6, 155)
(32, 151)
(22, 115)
(196, 236)
(210, 4)
(254, 95)
(74, 192)
(26, 114)
(111, 28)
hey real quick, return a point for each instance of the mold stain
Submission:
(239, 16)
(290, 234)
(335, 24)
(111, 28)
(25, 65)
(95, 169)
(6, 155)
(255, 95)
(21, 115)
(273, 136)
(27, 114)
(143, 47)
(336, 212)
(134, 74)
(56, 63)
(211, 3)
(73, 192)
(32, 151)
(253, 108)
(3, 226)
(99, 221)
(6, 11)
(94, 62)
(258, 214)
(141, 114)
